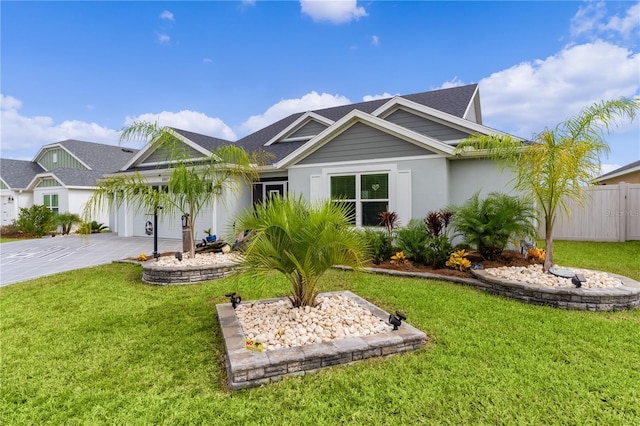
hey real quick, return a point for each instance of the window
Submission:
(51, 202)
(366, 195)
(266, 189)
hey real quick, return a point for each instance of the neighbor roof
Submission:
(631, 167)
(101, 158)
(454, 101)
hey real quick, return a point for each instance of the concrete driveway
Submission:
(28, 259)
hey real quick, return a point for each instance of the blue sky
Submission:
(83, 70)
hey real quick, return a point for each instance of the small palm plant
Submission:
(301, 241)
(489, 224)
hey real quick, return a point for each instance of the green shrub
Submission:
(489, 224)
(412, 240)
(92, 227)
(66, 221)
(11, 231)
(438, 250)
(36, 220)
(379, 245)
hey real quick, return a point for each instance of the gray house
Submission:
(393, 154)
(61, 176)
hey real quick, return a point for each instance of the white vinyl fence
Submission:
(610, 213)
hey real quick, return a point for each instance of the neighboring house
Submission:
(628, 174)
(62, 176)
(384, 155)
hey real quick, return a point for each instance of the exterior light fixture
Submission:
(396, 321)
(234, 299)
(578, 279)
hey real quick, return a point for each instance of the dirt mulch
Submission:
(508, 258)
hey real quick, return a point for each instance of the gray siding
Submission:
(425, 126)
(310, 129)
(164, 154)
(64, 160)
(361, 142)
(3, 186)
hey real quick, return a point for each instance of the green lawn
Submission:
(8, 240)
(97, 346)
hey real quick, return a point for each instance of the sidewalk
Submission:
(28, 259)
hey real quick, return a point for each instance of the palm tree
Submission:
(559, 162)
(301, 241)
(192, 185)
(489, 224)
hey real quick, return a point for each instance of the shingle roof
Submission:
(453, 101)
(18, 173)
(100, 157)
(207, 142)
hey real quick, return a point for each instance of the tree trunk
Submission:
(548, 233)
(191, 242)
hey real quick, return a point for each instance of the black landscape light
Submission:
(396, 321)
(578, 279)
(477, 266)
(179, 256)
(235, 300)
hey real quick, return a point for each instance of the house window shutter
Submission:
(403, 196)
(315, 190)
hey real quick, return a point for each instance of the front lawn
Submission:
(97, 346)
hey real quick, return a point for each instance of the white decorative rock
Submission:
(279, 325)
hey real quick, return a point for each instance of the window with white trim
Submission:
(50, 201)
(366, 195)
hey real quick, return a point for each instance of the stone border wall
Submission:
(586, 299)
(247, 369)
(168, 275)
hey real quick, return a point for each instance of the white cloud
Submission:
(385, 95)
(627, 24)
(310, 101)
(456, 82)
(167, 16)
(530, 96)
(9, 103)
(192, 121)
(22, 136)
(163, 38)
(375, 40)
(588, 18)
(207, 60)
(592, 21)
(606, 168)
(334, 11)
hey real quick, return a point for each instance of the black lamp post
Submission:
(156, 255)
